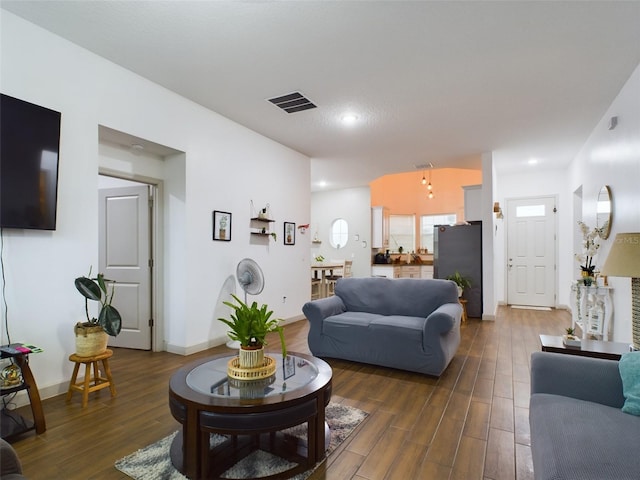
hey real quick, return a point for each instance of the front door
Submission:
(125, 256)
(531, 253)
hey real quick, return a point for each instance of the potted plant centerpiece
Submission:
(461, 281)
(249, 325)
(92, 336)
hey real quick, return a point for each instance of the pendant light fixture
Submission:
(424, 180)
(429, 186)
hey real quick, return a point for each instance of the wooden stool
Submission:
(463, 302)
(98, 381)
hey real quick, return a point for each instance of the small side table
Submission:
(587, 348)
(99, 382)
(29, 384)
(463, 302)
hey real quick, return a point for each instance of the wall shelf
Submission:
(266, 220)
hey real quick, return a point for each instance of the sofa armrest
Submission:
(9, 461)
(584, 378)
(317, 310)
(442, 320)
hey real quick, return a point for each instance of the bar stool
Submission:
(99, 382)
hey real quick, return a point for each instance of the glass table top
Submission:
(211, 378)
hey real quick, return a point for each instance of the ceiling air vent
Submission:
(292, 102)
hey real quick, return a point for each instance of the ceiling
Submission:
(430, 82)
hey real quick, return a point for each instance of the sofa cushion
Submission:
(629, 367)
(576, 439)
(399, 296)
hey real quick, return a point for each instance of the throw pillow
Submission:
(629, 367)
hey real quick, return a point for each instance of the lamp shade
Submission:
(624, 257)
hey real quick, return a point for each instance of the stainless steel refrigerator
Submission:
(459, 248)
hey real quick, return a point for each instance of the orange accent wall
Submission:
(403, 193)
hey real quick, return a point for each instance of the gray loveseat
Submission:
(578, 430)
(405, 323)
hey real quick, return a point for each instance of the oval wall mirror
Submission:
(604, 211)
(339, 234)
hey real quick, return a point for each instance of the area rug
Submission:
(153, 462)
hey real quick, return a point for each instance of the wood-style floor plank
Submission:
(471, 423)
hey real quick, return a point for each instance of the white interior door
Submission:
(125, 256)
(531, 252)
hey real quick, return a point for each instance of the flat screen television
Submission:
(29, 151)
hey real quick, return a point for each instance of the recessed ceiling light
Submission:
(322, 183)
(349, 118)
(533, 161)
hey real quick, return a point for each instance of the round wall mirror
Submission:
(339, 234)
(604, 211)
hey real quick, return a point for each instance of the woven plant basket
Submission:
(90, 340)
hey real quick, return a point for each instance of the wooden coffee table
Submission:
(252, 414)
(587, 348)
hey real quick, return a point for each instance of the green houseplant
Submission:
(250, 324)
(92, 335)
(461, 281)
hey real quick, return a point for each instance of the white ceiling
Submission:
(438, 82)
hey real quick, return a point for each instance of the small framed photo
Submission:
(289, 233)
(288, 367)
(221, 226)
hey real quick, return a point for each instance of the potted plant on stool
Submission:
(92, 336)
(461, 281)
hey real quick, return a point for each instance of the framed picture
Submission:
(289, 233)
(288, 367)
(221, 226)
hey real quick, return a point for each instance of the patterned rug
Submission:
(153, 462)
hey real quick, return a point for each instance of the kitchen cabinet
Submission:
(406, 271)
(379, 227)
(426, 271)
(472, 202)
(402, 271)
(382, 271)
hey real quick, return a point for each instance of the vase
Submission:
(251, 357)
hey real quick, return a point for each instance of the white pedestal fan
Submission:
(251, 279)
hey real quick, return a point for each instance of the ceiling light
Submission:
(349, 118)
(424, 180)
(532, 161)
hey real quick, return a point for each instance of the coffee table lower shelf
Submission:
(588, 348)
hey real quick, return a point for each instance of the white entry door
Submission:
(531, 252)
(125, 256)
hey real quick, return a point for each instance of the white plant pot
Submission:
(251, 358)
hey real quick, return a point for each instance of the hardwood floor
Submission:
(471, 423)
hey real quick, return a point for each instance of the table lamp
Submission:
(624, 261)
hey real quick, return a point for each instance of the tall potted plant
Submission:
(92, 336)
(249, 325)
(461, 282)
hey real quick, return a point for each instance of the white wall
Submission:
(609, 157)
(224, 167)
(612, 157)
(354, 205)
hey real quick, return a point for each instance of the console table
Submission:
(12, 428)
(592, 310)
(588, 348)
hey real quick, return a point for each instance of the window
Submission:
(427, 222)
(530, 211)
(402, 232)
(339, 233)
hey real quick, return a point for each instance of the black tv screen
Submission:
(29, 150)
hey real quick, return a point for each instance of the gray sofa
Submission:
(578, 430)
(10, 466)
(405, 323)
